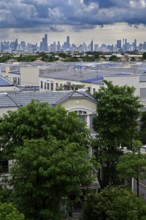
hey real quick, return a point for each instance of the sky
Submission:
(103, 21)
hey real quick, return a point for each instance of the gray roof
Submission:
(5, 82)
(87, 74)
(5, 101)
(143, 78)
(16, 99)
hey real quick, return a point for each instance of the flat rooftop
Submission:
(91, 72)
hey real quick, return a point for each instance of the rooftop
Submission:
(5, 82)
(90, 73)
(16, 99)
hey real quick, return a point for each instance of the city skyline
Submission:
(84, 20)
(121, 45)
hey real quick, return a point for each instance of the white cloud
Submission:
(69, 15)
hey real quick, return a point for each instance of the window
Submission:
(14, 80)
(82, 115)
(91, 123)
(51, 86)
(41, 84)
(4, 168)
(47, 86)
(94, 90)
(88, 89)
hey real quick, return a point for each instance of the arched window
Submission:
(82, 115)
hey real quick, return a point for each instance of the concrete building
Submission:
(72, 76)
(91, 77)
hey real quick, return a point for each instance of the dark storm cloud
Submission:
(101, 3)
(79, 14)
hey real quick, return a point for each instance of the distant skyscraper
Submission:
(125, 45)
(135, 45)
(92, 46)
(44, 43)
(68, 42)
(119, 44)
(58, 46)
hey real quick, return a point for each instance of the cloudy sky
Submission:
(103, 21)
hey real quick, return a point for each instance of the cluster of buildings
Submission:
(71, 85)
(44, 46)
(42, 79)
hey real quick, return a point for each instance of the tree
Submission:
(116, 124)
(114, 203)
(143, 128)
(47, 175)
(50, 147)
(113, 58)
(9, 212)
(39, 120)
(144, 56)
(132, 166)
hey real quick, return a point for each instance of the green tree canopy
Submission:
(9, 212)
(39, 120)
(117, 114)
(144, 56)
(47, 174)
(116, 124)
(132, 166)
(114, 203)
(113, 58)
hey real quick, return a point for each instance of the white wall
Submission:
(29, 76)
(126, 80)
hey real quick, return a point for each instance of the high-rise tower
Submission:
(68, 42)
(44, 43)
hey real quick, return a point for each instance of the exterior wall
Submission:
(14, 78)
(57, 83)
(8, 88)
(84, 104)
(126, 80)
(143, 93)
(29, 76)
(92, 87)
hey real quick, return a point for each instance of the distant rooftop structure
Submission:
(5, 82)
(93, 72)
(15, 72)
(16, 99)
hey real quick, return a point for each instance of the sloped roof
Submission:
(5, 82)
(77, 94)
(5, 101)
(16, 99)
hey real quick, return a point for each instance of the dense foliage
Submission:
(9, 212)
(47, 174)
(114, 203)
(52, 169)
(39, 120)
(116, 124)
